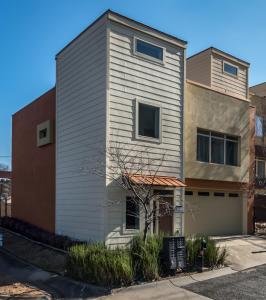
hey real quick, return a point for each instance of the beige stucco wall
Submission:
(207, 109)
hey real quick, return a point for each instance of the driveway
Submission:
(244, 251)
(20, 279)
(244, 285)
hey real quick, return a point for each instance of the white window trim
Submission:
(145, 56)
(224, 138)
(146, 138)
(230, 74)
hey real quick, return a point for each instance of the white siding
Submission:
(81, 134)
(235, 86)
(131, 78)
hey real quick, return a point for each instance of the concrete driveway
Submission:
(244, 251)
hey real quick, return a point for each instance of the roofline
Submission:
(35, 100)
(213, 49)
(109, 11)
(257, 84)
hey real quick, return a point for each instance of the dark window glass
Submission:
(43, 133)
(132, 214)
(231, 153)
(149, 49)
(188, 193)
(230, 69)
(261, 169)
(233, 195)
(217, 150)
(203, 194)
(149, 120)
(164, 192)
(219, 194)
(203, 148)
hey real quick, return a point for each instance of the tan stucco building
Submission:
(217, 145)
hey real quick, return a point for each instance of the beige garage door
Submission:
(213, 215)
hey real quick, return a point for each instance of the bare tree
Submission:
(135, 171)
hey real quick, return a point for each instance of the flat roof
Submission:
(109, 13)
(223, 53)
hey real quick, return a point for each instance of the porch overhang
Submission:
(164, 181)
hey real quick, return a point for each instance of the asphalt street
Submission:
(244, 285)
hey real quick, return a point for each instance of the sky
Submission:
(33, 31)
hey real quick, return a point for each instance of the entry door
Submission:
(166, 221)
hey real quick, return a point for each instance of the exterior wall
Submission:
(132, 78)
(259, 89)
(225, 83)
(33, 168)
(207, 109)
(199, 68)
(81, 134)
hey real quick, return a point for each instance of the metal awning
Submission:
(156, 180)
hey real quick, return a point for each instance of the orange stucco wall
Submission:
(33, 168)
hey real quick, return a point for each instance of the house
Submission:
(218, 139)
(119, 81)
(257, 98)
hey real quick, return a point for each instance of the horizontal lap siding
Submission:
(225, 83)
(81, 133)
(131, 78)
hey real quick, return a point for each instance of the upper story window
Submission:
(230, 69)
(148, 121)
(148, 50)
(259, 126)
(217, 148)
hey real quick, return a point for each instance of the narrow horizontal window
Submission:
(230, 69)
(188, 193)
(149, 49)
(164, 192)
(203, 194)
(233, 195)
(219, 194)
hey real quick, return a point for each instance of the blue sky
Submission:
(33, 31)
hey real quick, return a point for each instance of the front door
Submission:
(165, 219)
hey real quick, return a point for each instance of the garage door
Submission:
(213, 213)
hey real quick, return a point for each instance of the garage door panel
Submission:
(213, 215)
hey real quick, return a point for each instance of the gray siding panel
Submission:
(132, 78)
(80, 133)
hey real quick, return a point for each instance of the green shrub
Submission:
(95, 263)
(214, 256)
(146, 257)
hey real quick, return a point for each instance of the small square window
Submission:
(132, 214)
(44, 133)
(230, 69)
(148, 121)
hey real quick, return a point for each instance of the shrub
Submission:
(95, 263)
(146, 257)
(214, 256)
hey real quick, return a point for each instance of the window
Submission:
(188, 193)
(217, 148)
(233, 195)
(132, 214)
(219, 194)
(260, 168)
(203, 194)
(149, 50)
(44, 133)
(148, 121)
(230, 69)
(259, 126)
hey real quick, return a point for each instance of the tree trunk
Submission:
(145, 232)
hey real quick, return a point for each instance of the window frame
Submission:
(225, 138)
(130, 230)
(256, 167)
(143, 137)
(232, 65)
(146, 56)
